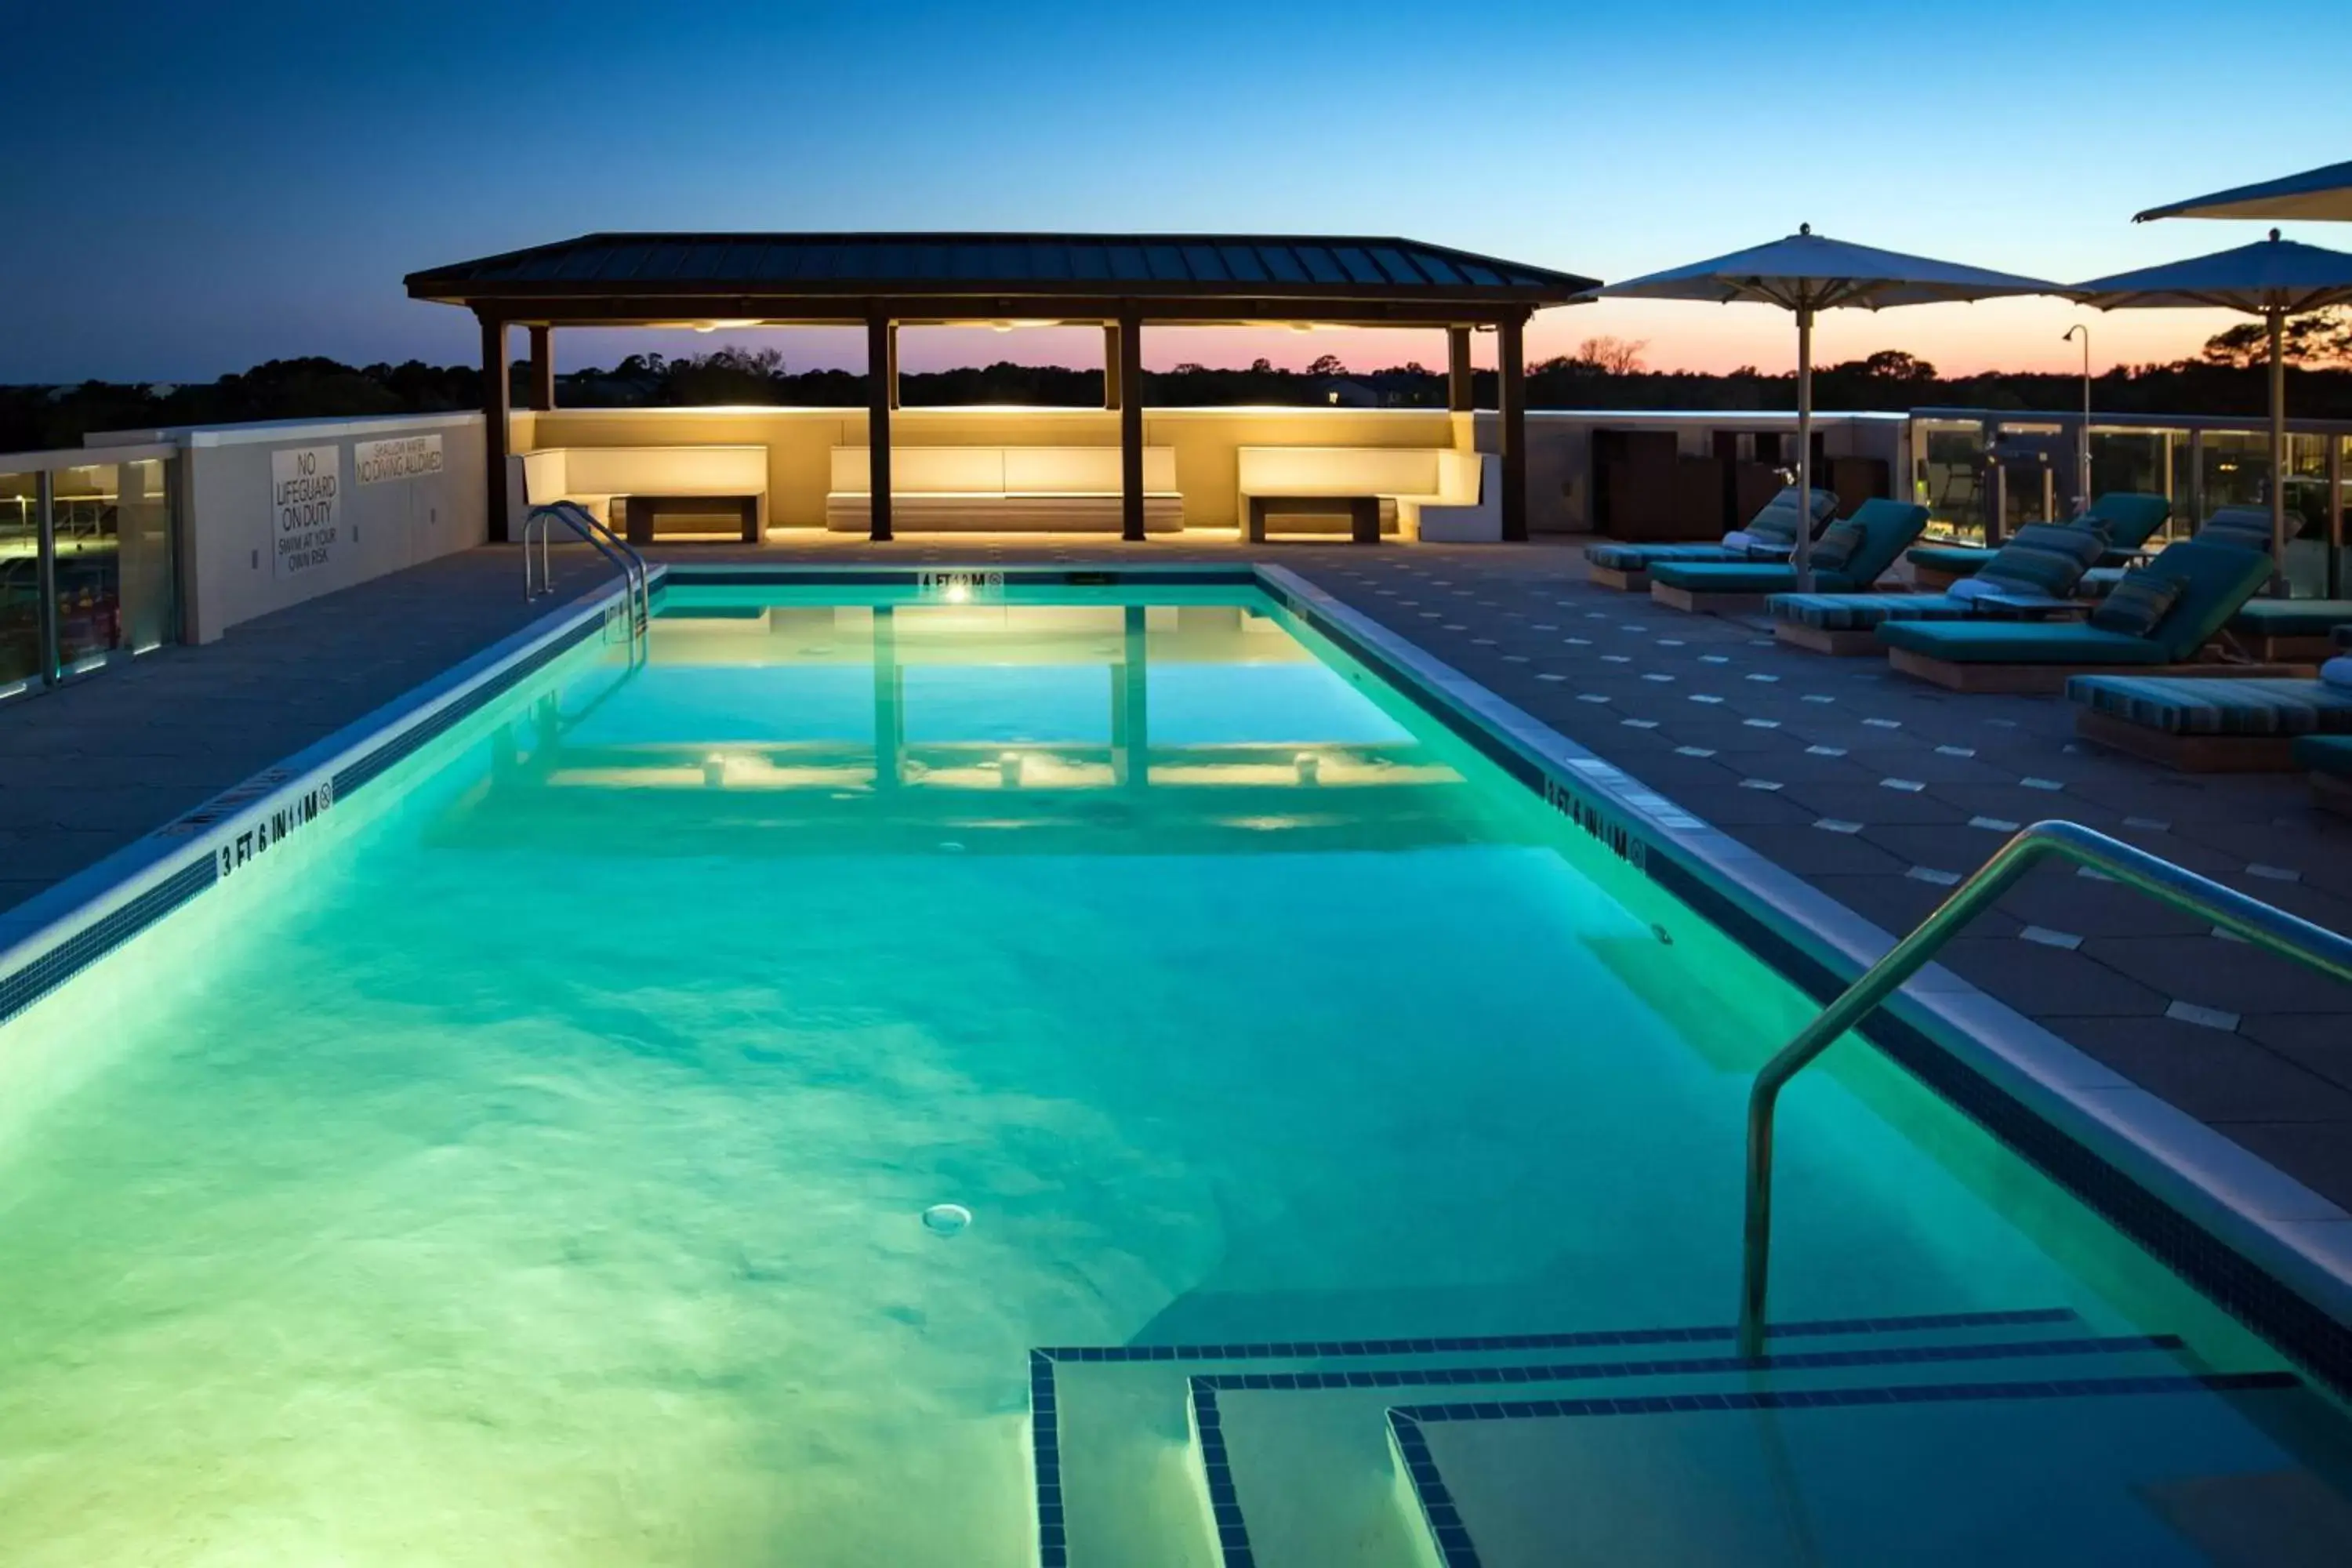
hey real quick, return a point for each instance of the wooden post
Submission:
(495, 402)
(1511, 351)
(543, 369)
(1111, 366)
(881, 392)
(1459, 397)
(1130, 426)
(893, 358)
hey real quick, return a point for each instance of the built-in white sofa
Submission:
(596, 477)
(1428, 493)
(1002, 489)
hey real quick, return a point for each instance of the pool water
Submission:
(527, 1163)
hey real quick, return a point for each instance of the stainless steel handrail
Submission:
(2259, 923)
(625, 558)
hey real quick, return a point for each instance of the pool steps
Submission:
(1241, 1456)
(2152, 1467)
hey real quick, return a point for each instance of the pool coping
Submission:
(2261, 1245)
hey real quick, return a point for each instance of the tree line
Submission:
(2227, 378)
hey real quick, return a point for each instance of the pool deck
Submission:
(1879, 791)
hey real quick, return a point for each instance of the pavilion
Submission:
(884, 280)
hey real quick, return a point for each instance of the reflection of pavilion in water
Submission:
(783, 729)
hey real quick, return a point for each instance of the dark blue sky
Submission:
(194, 187)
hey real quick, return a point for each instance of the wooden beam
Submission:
(1511, 352)
(1458, 394)
(1111, 388)
(881, 392)
(894, 365)
(1405, 308)
(1130, 426)
(542, 368)
(495, 405)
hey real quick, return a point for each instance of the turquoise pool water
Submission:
(526, 1163)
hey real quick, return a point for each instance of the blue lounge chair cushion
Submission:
(2190, 705)
(2009, 642)
(1860, 611)
(1640, 557)
(1776, 522)
(2293, 617)
(2141, 600)
(1744, 577)
(2329, 754)
(2045, 560)
(2247, 527)
(1955, 560)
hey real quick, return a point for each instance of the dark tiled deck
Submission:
(1879, 791)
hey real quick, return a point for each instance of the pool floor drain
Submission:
(947, 1219)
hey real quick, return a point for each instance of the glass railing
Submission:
(88, 567)
(1983, 473)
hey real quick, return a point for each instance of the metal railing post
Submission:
(2259, 923)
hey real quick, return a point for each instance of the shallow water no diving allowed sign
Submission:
(305, 487)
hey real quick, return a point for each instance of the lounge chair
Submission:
(2029, 578)
(2129, 517)
(2214, 581)
(2247, 527)
(1770, 534)
(2329, 757)
(2291, 629)
(1847, 559)
(2200, 725)
(2215, 726)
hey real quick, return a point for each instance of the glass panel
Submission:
(2132, 461)
(89, 566)
(20, 583)
(147, 582)
(2237, 469)
(1952, 476)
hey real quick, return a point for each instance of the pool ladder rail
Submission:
(637, 578)
(2231, 912)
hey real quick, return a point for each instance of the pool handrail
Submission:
(2261, 924)
(610, 545)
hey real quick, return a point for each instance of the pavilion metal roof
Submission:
(630, 272)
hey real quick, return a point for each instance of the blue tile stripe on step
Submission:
(1046, 1462)
(1224, 1498)
(1225, 1509)
(1562, 1372)
(1456, 1550)
(1571, 1339)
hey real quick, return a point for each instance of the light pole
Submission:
(2083, 439)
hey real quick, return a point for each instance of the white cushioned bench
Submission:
(1002, 489)
(1432, 493)
(595, 477)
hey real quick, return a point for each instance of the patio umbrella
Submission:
(1807, 273)
(2324, 193)
(2272, 278)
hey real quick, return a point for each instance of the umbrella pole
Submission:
(2278, 450)
(1804, 556)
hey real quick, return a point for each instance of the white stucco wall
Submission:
(230, 529)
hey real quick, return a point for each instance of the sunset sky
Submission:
(197, 188)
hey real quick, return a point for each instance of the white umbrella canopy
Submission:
(2325, 195)
(2273, 278)
(1808, 272)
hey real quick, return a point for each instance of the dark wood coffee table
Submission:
(640, 513)
(1364, 513)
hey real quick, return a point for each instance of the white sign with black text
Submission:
(403, 457)
(305, 485)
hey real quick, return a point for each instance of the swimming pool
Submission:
(528, 1159)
